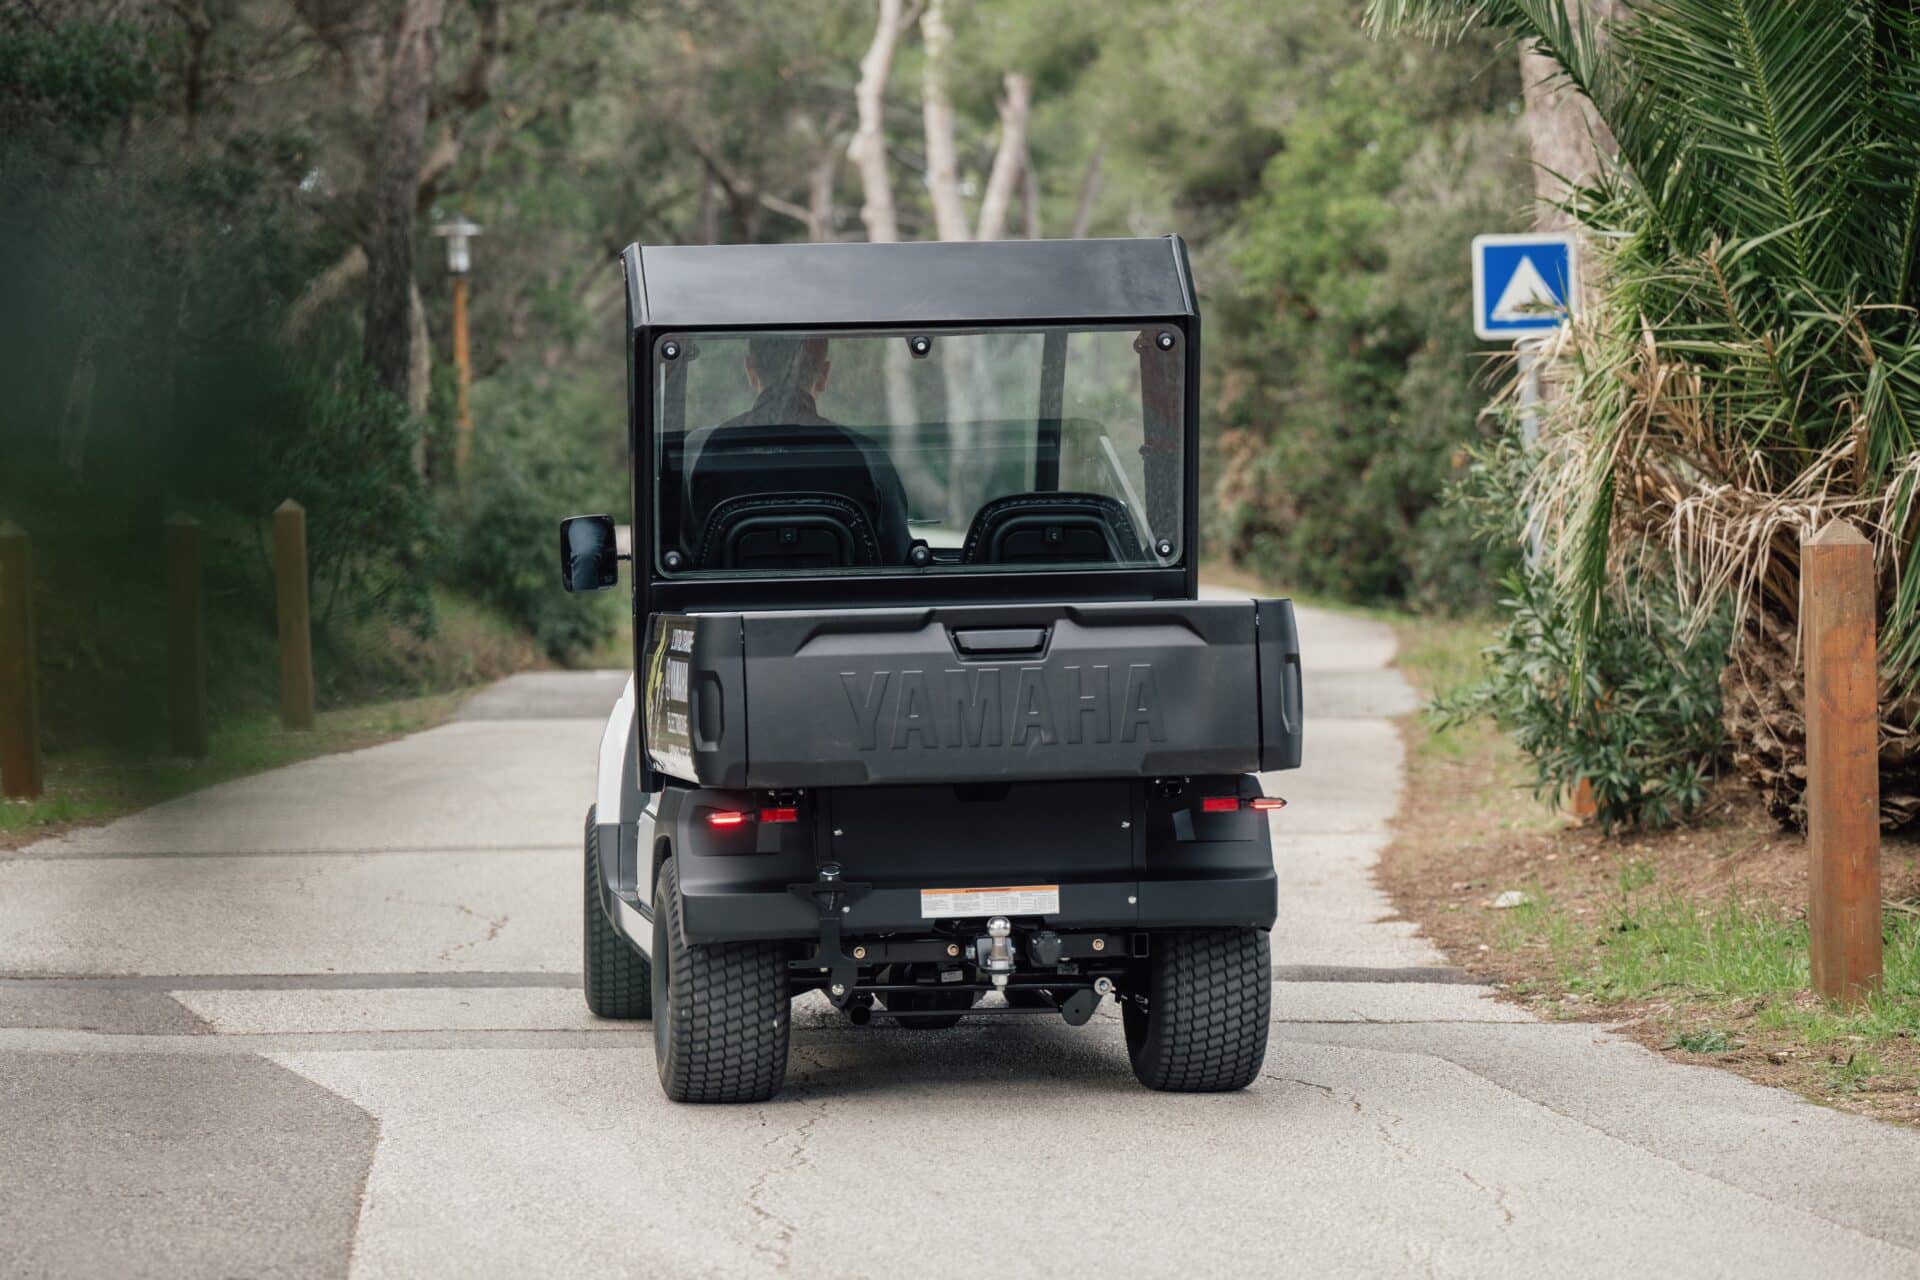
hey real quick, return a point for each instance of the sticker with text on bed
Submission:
(1000, 900)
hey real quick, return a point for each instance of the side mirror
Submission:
(589, 553)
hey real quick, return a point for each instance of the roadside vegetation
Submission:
(1745, 369)
(380, 680)
(90, 785)
(1690, 936)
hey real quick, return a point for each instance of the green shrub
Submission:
(1637, 714)
(534, 462)
(346, 452)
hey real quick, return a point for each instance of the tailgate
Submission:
(974, 693)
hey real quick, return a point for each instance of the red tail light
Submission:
(1219, 804)
(727, 817)
(1266, 804)
(780, 815)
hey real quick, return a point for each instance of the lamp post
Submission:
(459, 236)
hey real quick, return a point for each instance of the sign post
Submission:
(1525, 287)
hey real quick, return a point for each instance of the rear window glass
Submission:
(816, 452)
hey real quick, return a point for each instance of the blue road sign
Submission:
(1523, 284)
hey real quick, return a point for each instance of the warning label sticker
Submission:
(1000, 900)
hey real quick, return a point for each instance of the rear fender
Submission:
(625, 818)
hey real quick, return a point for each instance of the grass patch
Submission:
(376, 681)
(1440, 655)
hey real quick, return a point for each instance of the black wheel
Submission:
(618, 979)
(931, 1002)
(724, 1010)
(1209, 995)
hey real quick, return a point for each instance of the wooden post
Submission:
(186, 638)
(296, 630)
(20, 775)
(463, 379)
(1843, 761)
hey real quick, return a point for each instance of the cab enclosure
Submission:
(926, 705)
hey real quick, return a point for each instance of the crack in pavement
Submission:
(795, 1139)
(494, 925)
(1628, 1144)
(1324, 1088)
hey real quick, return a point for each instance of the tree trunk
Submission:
(193, 87)
(868, 150)
(398, 156)
(943, 158)
(1763, 707)
(1030, 195)
(1564, 135)
(1089, 195)
(820, 192)
(1005, 175)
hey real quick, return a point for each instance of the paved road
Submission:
(325, 1021)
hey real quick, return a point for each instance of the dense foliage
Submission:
(148, 376)
(1749, 365)
(1331, 185)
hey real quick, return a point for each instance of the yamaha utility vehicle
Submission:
(927, 715)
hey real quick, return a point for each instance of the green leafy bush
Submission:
(534, 462)
(345, 452)
(1636, 714)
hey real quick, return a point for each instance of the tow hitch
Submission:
(993, 953)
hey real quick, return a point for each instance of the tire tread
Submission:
(1210, 1000)
(731, 1012)
(617, 978)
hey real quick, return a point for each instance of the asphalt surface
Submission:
(326, 1021)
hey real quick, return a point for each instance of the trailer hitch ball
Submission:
(994, 953)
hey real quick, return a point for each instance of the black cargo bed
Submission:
(973, 693)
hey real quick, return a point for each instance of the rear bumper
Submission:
(1125, 856)
(716, 912)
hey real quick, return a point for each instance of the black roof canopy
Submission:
(932, 282)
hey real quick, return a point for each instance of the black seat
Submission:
(784, 531)
(783, 461)
(1052, 528)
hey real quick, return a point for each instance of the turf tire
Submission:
(724, 1010)
(1209, 1000)
(617, 978)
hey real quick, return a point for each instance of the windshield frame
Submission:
(654, 591)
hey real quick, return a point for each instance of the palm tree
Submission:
(1748, 363)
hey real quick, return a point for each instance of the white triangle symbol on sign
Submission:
(1527, 297)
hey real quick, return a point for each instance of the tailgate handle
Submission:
(1001, 640)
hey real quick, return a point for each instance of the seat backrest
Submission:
(783, 531)
(740, 460)
(1052, 528)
